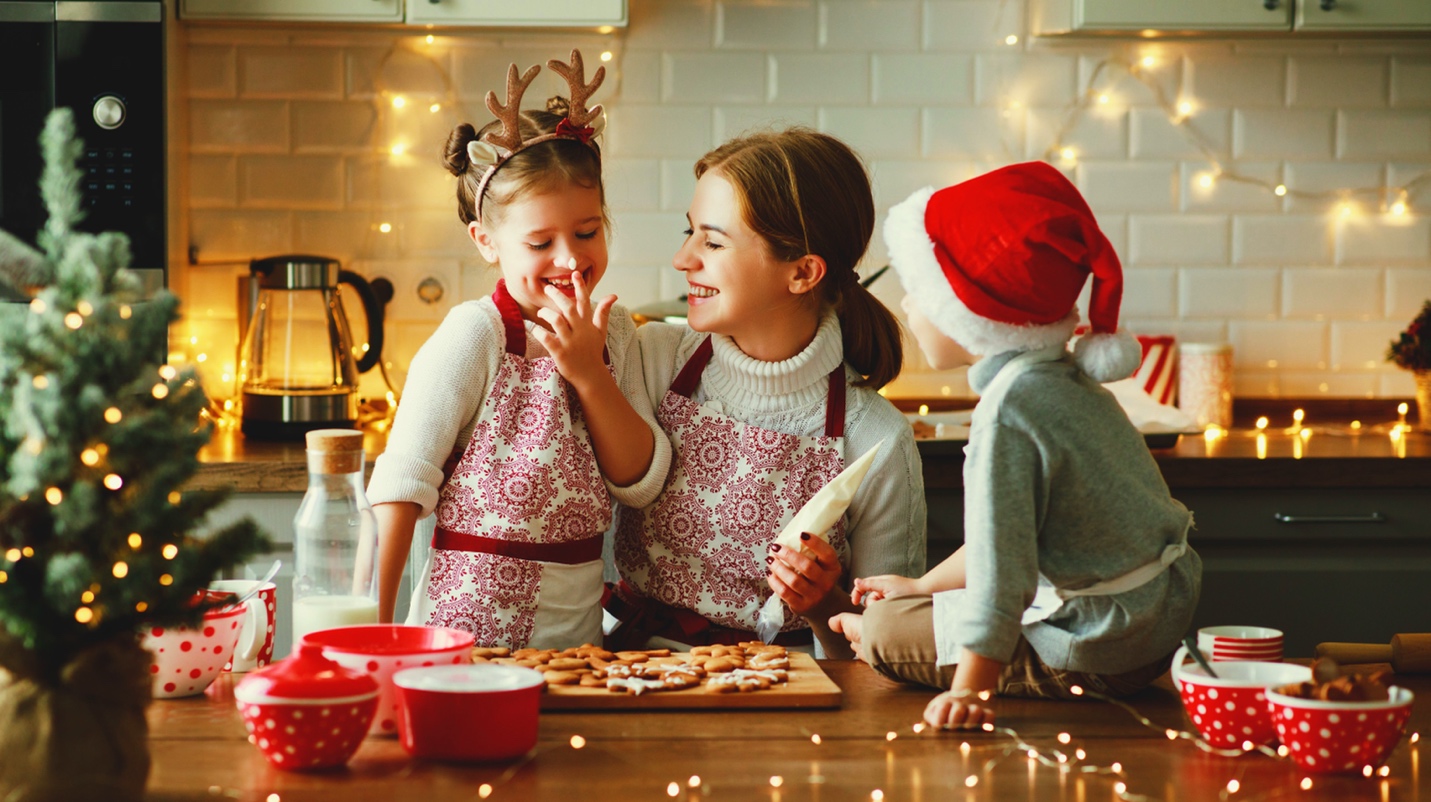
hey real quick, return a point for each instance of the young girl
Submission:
(765, 397)
(1076, 568)
(515, 426)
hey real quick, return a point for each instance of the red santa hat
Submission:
(997, 263)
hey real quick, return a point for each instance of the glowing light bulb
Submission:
(1232, 786)
(113, 481)
(40, 382)
(577, 742)
(166, 580)
(1262, 422)
(1149, 62)
(170, 551)
(121, 570)
(385, 228)
(125, 312)
(777, 781)
(89, 457)
(1064, 737)
(484, 790)
(398, 149)
(54, 495)
(1345, 209)
(1306, 783)
(160, 391)
(606, 55)
(73, 320)
(815, 739)
(38, 306)
(1398, 208)
(1103, 99)
(168, 372)
(923, 410)
(435, 108)
(673, 789)
(430, 39)
(84, 308)
(84, 615)
(694, 781)
(399, 101)
(971, 781)
(891, 735)
(1205, 180)
(1185, 108)
(1280, 190)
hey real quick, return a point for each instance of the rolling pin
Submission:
(1407, 654)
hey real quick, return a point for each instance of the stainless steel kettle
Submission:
(298, 363)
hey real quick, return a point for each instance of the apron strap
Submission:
(690, 376)
(835, 403)
(572, 552)
(511, 319)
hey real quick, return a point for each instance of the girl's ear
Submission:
(806, 273)
(483, 241)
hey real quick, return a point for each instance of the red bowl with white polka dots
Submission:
(1230, 710)
(1340, 736)
(185, 660)
(307, 712)
(381, 650)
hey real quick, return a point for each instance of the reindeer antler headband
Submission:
(494, 148)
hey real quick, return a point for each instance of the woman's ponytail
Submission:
(873, 343)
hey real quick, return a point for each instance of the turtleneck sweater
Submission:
(886, 521)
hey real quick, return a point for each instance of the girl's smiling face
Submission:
(736, 287)
(541, 238)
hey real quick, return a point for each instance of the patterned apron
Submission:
(693, 562)
(517, 549)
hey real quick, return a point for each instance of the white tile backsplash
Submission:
(1344, 82)
(290, 130)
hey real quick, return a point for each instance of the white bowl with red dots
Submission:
(307, 712)
(1338, 736)
(185, 660)
(381, 650)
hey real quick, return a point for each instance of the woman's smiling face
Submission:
(735, 284)
(541, 238)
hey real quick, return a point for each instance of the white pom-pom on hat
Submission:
(1108, 356)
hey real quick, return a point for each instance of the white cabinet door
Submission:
(1163, 16)
(525, 12)
(1181, 15)
(1363, 15)
(327, 10)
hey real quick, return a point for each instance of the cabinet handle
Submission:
(1270, 5)
(1373, 518)
(1328, 5)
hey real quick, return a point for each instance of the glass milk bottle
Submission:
(335, 538)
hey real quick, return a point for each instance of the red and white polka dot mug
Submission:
(255, 646)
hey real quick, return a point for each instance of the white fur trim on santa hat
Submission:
(1108, 357)
(911, 252)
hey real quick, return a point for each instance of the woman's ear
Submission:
(483, 241)
(806, 273)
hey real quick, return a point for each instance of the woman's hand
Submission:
(577, 335)
(958, 710)
(803, 581)
(851, 625)
(884, 586)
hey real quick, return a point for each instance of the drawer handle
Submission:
(1374, 518)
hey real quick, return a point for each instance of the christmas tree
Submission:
(97, 438)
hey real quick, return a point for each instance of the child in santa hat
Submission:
(1075, 568)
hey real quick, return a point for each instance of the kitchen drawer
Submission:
(1350, 517)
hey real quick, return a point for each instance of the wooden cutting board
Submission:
(807, 687)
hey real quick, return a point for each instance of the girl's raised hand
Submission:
(577, 335)
(885, 586)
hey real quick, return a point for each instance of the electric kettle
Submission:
(297, 366)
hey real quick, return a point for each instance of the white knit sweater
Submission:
(447, 385)
(886, 521)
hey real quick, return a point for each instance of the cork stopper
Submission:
(335, 451)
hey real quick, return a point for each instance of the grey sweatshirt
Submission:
(1060, 483)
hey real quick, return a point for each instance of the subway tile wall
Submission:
(295, 143)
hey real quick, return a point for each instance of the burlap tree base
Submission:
(81, 736)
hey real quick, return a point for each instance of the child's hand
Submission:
(803, 581)
(884, 586)
(851, 625)
(958, 710)
(578, 332)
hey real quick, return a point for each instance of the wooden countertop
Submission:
(1329, 458)
(200, 752)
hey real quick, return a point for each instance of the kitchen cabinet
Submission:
(527, 12)
(294, 10)
(1155, 17)
(1350, 565)
(1363, 15)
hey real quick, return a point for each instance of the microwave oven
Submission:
(105, 61)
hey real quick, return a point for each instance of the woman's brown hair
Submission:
(543, 167)
(805, 192)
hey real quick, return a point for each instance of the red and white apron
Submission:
(693, 562)
(517, 550)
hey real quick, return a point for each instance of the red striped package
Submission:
(1158, 374)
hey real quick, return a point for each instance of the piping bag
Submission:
(817, 517)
